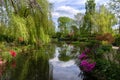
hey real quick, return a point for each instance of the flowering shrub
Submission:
(87, 66)
(86, 62)
(82, 56)
(13, 53)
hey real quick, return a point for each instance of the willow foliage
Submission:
(31, 29)
(17, 28)
(30, 20)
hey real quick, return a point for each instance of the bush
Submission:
(105, 37)
(110, 71)
(58, 35)
(106, 48)
(102, 49)
(93, 43)
(117, 40)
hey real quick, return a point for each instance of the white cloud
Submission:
(57, 1)
(55, 14)
(67, 9)
(64, 11)
(70, 7)
(100, 2)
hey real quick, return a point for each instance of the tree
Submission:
(52, 25)
(29, 19)
(103, 20)
(90, 10)
(78, 18)
(114, 6)
(64, 23)
(78, 22)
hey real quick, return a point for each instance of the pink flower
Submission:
(87, 66)
(13, 53)
(82, 56)
(84, 63)
(2, 62)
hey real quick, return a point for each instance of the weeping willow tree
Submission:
(29, 20)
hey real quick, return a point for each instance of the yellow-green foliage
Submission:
(103, 20)
(44, 37)
(18, 28)
(2, 29)
(6, 56)
(31, 29)
(30, 21)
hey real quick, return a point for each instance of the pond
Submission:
(53, 62)
(64, 67)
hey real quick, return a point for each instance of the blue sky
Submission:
(70, 7)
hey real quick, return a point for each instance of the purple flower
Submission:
(86, 66)
(84, 63)
(82, 56)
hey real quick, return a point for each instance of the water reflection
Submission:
(28, 66)
(64, 67)
(39, 64)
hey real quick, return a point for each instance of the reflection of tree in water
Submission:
(2, 68)
(67, 52)
(29, 66)
(75, 51)
(50, 49)
(63, 56)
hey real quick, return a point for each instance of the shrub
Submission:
(106, 48)
(102, 49)
(93, 43)
(108, 70)
(105, 37)
(117, 40)
(87, 63)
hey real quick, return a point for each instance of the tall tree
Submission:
(90, 10)
(115, 8)
(78, 22)
(103, 20)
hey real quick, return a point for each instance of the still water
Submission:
(64, 67)
(53, 62)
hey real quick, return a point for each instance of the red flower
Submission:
(13, 53)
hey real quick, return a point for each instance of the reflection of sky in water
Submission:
(64, 70)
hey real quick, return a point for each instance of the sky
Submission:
(70, 7)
